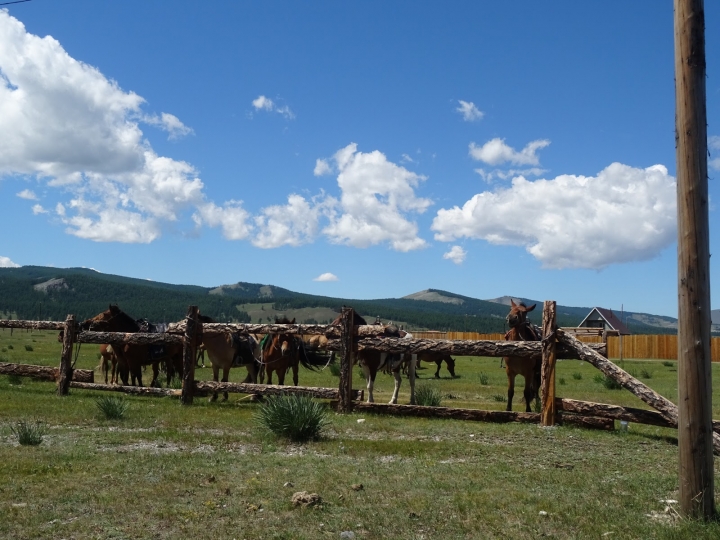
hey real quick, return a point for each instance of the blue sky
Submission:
(363, 150)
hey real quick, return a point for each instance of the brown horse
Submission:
(282, 352)
(373, 361)
(438, 358)
(228, 350)
(522, 330)
(131, 358)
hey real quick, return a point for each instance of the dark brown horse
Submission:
(131, 358)
(282, 352)
(522, 330)
(438, 358)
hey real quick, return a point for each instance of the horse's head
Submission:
(518, 314)
(112, 319)
(450, 363)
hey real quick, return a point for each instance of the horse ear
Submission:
(531, 307)
(512, 303)
(293, 321)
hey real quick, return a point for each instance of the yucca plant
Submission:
(484, 379)
(29, 433)
(428, 395)
(113, 407)
(334, 370)
(293, 416)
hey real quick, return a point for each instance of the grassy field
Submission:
(207, 471)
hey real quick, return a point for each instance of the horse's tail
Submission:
(310, 359)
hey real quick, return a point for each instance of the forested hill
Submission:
(46, 293)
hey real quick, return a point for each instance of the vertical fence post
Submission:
(347, 323)
(189, 354)
(547, 384)
(66, 358)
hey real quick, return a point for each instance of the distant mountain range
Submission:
(37, 292)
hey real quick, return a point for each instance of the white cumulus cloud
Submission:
(495, 152)
(170, 123)
(623, 214)
(376, 198)
(469, 111)
(293, 224)
(456, 254)
(262, 103)
(38, 209)
(327, 276)
(714, 146)
(322, 167)
(27, 194)
(5, 262)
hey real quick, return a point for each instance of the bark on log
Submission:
(526, 349)
(66, 356)
(589, 422)
(134, 390)
(328, 330)
(44, 373)
(131, 338)
(32, 325)
(666, 408)
(208, 387)
(547, 382)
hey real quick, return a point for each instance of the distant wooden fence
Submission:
(660, 347)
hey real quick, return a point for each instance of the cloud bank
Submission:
(5, 262)
(623, 214)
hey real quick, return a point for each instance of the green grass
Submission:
(28, 433)
(428, 395)
(112, 407)
(206, 470)
(297, 417)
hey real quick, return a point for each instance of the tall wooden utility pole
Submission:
(694, 369)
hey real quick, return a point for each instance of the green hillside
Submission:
(45, 293)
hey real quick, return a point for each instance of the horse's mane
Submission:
(205, 319)
(284, 320)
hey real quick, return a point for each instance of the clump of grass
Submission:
(113, 407)
(484, 379)
(361, 374)
(29, 433)
(499, 397)
(334, 370)
(667, 363)
(10, 346)
(29, 348)
(175, 383)
(293, 416)
(562, 380)
(645, 374)
(577, 375)
(4, 349)
(14, 379)
(428, 395)
(607, 382)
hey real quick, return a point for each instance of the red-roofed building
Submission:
(605, 319)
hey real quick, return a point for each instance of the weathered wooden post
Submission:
(189, 354)
(347, 323)
(547, 382)
(66, 357)
(697, 490)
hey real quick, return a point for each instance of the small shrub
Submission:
(645, 374)
(484, 379)
(633, 373)
(175, 383)
(499, 397)
(14, 379)
(29, 348)
(4, 349)
(577, 375)
(296, 417)
(334, 370)
(562, 380)
(29, 433)
(607, 382)
(10, 347)
(428, 395)
(667, 363)
(113, 407)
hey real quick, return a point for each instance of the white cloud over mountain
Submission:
(623, 214)
(5, 262)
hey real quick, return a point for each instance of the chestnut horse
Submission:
(522, 330)
(131, 358)
(281, 352)
(228, 350)
(373, 361)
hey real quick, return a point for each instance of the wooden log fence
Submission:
(44, 373)
(348, 339)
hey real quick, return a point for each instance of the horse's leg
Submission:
(411, 376)
(295, 366)
(370, 378)
(281, 376)
(439, 364)
(226, 373)
(511, 386)
(156, 372)
(528, 392)
(216, 375)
